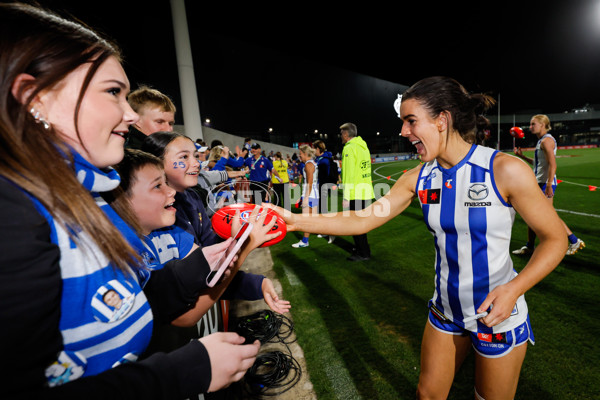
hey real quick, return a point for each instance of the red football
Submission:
(517, 132)
(223, 218)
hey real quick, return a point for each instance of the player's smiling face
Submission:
(421, 130)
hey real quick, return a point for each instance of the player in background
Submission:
(544, 168)
(310, 188)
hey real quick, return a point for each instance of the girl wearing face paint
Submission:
(63, 120)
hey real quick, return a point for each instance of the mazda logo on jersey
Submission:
(478, 191)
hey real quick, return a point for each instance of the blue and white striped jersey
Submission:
(166, 244)
(471, 225)
(314, 189)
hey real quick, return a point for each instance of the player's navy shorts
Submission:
(543, 187)
(489, 345)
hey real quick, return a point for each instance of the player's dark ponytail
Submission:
(442, 94)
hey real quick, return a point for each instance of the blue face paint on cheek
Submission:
(179, 164)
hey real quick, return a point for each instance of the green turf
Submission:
(360, 324)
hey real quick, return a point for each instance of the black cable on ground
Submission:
(266, 326)
(275, 372)
(272, 374)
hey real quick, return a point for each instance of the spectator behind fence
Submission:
(156, 111)
(261, 169)
(144, 190)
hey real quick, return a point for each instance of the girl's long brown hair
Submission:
(39, 43)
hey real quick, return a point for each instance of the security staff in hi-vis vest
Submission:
(356, 182)
(281, 182)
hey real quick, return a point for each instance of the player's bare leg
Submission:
(497, 378)
(442, 355)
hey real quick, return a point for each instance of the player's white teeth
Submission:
(169, 205)
(415, 142)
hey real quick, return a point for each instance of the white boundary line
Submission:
(384, 177)
(338, 375)
(574, 183)
(579, 213)
(291, 276)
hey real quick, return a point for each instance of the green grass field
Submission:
(360, 324)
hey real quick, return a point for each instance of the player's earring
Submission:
(39, 118)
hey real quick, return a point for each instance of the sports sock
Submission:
(304, 240)
(572, 238)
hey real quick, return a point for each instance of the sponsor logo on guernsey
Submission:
(478, 192)
(430, 177)
(492, 337)
(429, 196)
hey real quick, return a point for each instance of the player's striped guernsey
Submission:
(471, 225)
(314, 190)
(540, 163)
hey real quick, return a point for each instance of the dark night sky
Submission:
(299, 69)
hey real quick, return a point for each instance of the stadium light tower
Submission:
(185, 66)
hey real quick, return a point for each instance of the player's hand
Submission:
(548, 191)
(288, 216)
(229, 358)
(502, 300)
(518, 152)
(272, 299)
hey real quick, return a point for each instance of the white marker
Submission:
(474, 317)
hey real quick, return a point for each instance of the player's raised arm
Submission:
(356, 222)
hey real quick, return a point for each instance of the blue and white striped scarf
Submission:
(105, 317)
